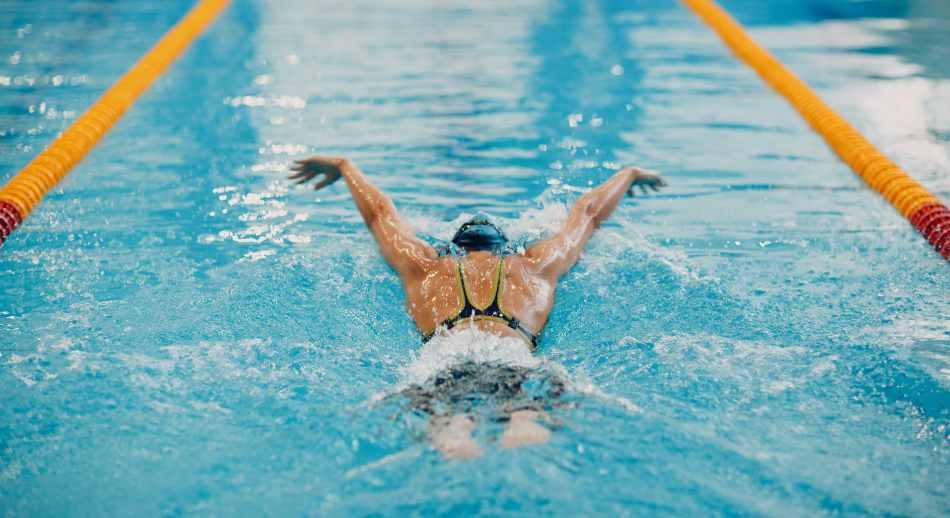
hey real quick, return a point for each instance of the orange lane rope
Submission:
(924, 211)
(21, 194)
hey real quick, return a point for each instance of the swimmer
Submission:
(508, 295)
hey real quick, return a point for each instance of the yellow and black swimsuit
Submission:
(491, 311)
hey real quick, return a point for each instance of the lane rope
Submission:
(25, 190)
(921, 208)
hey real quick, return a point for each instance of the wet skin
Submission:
(430, 281)
(433, 294)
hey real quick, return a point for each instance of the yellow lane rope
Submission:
(911, 199)
(21, 194)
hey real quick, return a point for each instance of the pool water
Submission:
(184, 332)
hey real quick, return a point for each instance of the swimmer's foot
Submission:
(452, 436)
(523, 430)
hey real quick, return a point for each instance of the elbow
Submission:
(589, 208)
(380, 209)
(592, 212)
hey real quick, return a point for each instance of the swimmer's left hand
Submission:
(309, 168)
(644, 179)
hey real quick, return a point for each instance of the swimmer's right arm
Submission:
(405, 252)
(553, 257)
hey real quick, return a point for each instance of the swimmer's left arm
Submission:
(405, 252)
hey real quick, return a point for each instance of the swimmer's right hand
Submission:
(309, 168)
(644, 178)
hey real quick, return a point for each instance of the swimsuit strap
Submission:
(494, 302)
(491, 311)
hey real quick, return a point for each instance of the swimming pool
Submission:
(185, 333)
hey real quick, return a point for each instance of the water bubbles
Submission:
(282, 149)
(257, 255)
(571, 143)
(467, 344)
(258, 101)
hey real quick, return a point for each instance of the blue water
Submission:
(184, 333)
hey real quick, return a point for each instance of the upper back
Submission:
(436, 294)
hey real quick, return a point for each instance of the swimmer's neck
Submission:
(478, 256)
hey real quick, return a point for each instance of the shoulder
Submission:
(538, 263)
(428, 272)
(523, 264)
(438, 265)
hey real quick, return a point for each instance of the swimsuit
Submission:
(496, 388)
(491, 311)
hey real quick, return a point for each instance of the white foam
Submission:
(467, 344)
(587, 387)
(471, 344)
(407, 454)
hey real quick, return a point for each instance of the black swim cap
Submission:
(479, 234)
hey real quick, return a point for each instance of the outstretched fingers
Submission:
(646, 181)
(327, 180)
(310, 168)
(302, 176)
(305, 170)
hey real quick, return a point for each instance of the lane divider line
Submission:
(921, 208)
(25, 190)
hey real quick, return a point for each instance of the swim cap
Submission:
(479, 234)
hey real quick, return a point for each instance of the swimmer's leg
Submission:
(523, 430)
(452, 436)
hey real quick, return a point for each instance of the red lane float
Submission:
(9, 219)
